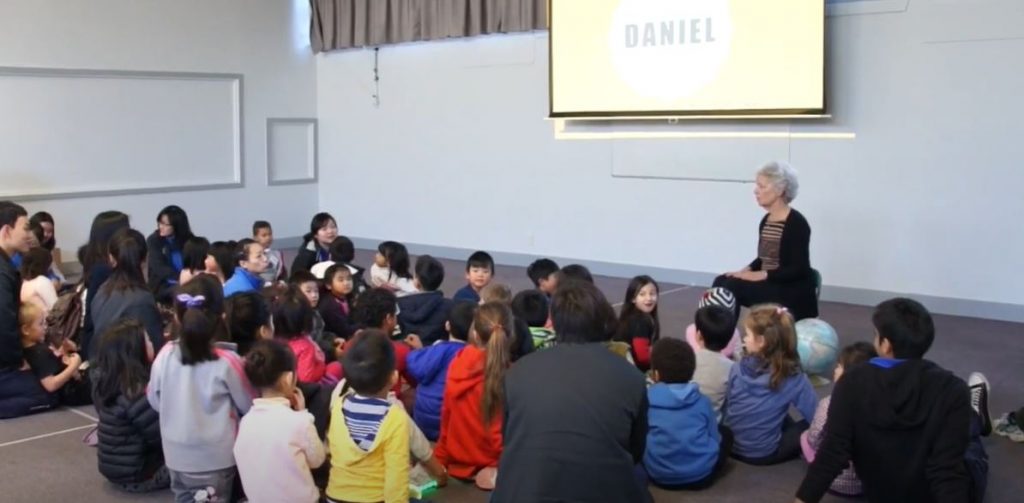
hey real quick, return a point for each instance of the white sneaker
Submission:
(978, 386)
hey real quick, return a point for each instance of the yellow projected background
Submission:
(636, 57)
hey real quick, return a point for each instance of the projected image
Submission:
(692, 57)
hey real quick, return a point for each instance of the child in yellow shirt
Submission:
(368, 437)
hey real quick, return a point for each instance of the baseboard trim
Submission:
(858, 296)
(847, 295)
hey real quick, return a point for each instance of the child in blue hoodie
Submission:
(686, 448)
(429, 367)
(763, 386)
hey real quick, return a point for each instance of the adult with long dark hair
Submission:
(124, 295)
(165, 245)
(782, 272)
(95, 259)
(317, 243)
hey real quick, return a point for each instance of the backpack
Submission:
(67, 317)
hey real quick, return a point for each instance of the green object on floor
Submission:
(422, 491)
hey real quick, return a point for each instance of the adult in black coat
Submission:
(581, 387)
(165, 259)
(20, 391)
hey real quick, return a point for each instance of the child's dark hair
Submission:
(38, 219)
(259, 225)
(541, 269)
(179, 221)
(373, 307)
(120, 366)
(128, 247)
(673, 360)
(430, 272)
(266, 361)
(35, 262)
(480, 260)
(223, 253)
(776, 325)
(531, 306)
(581, 313)
(629, 309)
(343, 250)
(320, 220)
(493, 326)
(460, 320)
(398, 258)
(856, 354)
(577, 271)
(245, 314)
(199, 307)
(334, 270)
(907, 325)
(193, 254)
(293, 316)
(300, 277)
(716, 325)
(369, 362)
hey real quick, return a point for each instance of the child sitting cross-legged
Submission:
(429, 366)
(59, 375)
(847, 483)
(715, 326)
(293, 320)
(531, 306)
(686, 448)
(277, 444)
(424, 313)
(471, 415)
(368, 436)
(763, 386)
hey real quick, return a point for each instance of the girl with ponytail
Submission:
(200, 392)
(763, 386)
(471, 415)
(124, 295)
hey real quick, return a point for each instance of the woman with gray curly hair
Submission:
(782, 272)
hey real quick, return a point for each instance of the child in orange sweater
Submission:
(471, 416)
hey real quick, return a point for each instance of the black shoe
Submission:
(979, 388)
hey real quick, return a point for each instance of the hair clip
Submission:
(190, 301)
(779, 310)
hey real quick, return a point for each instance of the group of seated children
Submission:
(328, 360)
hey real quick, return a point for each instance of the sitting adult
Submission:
(95, 259)
(124, 294)
(317, 243)
(165, 261)
(576, 386)
(782, 272)
(20, 390)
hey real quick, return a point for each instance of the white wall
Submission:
(264, 40)
(926, 199)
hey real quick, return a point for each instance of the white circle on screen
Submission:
(668, 50)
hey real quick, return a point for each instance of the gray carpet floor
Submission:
(42, 457)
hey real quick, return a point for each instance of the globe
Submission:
(818, 345)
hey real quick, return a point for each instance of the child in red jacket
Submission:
(471, 416)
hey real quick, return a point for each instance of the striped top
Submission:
(768, 248)
(363, 417)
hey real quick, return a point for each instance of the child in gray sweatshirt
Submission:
(200, 392)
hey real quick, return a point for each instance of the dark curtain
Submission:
(343, 24)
